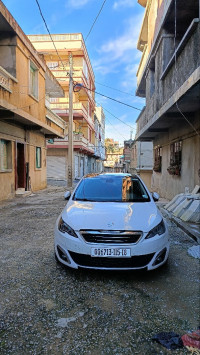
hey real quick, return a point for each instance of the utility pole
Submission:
(70, 172)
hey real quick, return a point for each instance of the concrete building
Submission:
(114, 156)
(99, 124)
(83, 102)
(25, 121)
(141, 162)
(169, 78)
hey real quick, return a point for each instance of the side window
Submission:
(33, 80)
(175, 158)
(38, 158)
(158, 160)
(5, 155)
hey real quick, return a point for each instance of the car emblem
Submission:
(110, 224)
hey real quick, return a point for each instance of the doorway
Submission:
(20, 170)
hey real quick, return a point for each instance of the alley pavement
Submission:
(48, 309)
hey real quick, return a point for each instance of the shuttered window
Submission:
(33, 83)
(5, 155)
(38, 158)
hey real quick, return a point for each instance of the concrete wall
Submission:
(146, 176)
(31, 140)
(170, 185)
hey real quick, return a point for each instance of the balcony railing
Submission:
(78, 109)
(142, 64)
(55, 118)
(6, 80)
(78, 141)
(59, 37)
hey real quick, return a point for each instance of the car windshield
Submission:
(108, 188)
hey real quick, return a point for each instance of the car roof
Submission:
(109, 174)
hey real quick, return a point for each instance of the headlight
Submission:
(65, 228)
(159, 229)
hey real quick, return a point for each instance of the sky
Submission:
(111, 45)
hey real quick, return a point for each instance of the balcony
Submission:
(61, 107)
(73, 42)
(55, 119)
(178, 81)
(79, 143)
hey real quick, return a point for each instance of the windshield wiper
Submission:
(81, 199)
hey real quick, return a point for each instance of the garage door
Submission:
(56, 167)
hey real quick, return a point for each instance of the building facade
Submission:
(169, 78)
(83, 102)
(114, 156)
(25, 121)
(142, 161)
(99, 124)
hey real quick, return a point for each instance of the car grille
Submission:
(138, 261)
(111, 237)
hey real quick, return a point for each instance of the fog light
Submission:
(63, 255)
(160, 257)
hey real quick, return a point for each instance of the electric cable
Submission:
(116, 129)
(95, 20)
(116, 117)
(110, 87)
(49, 32)
(108, 97)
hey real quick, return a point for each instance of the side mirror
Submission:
(67, 195)
(155, 196)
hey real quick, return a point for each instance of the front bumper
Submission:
(146, 254)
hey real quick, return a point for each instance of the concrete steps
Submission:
(22, 193)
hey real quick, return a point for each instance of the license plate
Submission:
(111, 252)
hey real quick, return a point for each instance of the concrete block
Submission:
(180, 209)
(192, 214)
(170, 203)
(176, 203)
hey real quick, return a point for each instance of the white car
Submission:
(111, 222)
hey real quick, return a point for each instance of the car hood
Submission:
(111, 216)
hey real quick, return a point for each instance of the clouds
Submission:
(126, 42)
(123, 3)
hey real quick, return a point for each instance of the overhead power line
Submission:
(123, 92)
(49, 32)
(117, 117)
(116, 129)
(108, 97)
(95, 20)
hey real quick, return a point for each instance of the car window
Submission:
(107, 188)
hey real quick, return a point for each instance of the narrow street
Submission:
(47, 309)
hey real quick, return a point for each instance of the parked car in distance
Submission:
(111, 222)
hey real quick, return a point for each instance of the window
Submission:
(158, 160)
(52, 65)
(38, 158)
(152, 82)
(175, 158)
(5, 155)
(33, 84)
(109, 188)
